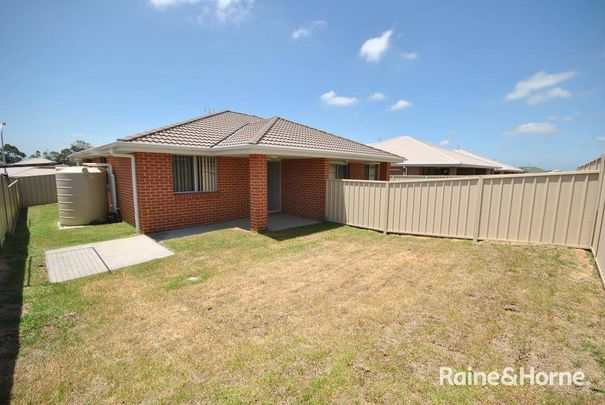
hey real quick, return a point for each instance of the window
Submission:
(338, 171)
(194, 174)
(370, 172)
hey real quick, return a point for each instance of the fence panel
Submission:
(405, 177)
(357, 202)
(37, 190)
(440, 207)
(555, 208)
(9, 206)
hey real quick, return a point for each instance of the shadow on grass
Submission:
(301, 231)
(14, 275)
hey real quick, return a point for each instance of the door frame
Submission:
(279, 183)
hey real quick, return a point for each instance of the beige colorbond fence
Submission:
(9, 206)
(564, 208)
(556, 208)
(37, 190)
(598, 239)
(398, 177)
(593, 164)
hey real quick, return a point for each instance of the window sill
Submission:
(194, 193)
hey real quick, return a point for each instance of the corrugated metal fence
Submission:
(9, 206)
(37, 190)
(396, 177)
(564, 208)
(598, 238)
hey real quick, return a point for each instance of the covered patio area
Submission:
(275, 222)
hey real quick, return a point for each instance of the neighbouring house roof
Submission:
(28, 171)
(231, 133)
(34, 162)
(420, 153)
(30, 167)
(502, 167)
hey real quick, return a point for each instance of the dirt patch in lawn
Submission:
(322, 314)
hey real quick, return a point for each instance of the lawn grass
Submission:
(315, 314)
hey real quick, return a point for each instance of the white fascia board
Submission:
(445, 165)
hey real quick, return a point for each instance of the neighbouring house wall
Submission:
(397, 170)
(161, 209)
(356, 171)
(384, 171)
(123, 174)
(414, 171)
(303, 187)
(431, 171)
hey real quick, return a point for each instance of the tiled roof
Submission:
(419, 153)
(205, 131)
(501, 166)
(33, 162)
(228, 129)
(28, 171)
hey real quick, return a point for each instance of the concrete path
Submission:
(101, 257)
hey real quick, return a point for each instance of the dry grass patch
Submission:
(319, 314)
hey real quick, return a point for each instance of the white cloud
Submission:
(308, 28)
(376, 96)
(564, 118)
(230, 11)
(527, 88)
(223, 11)
(330, 98)
(374, 48)
(410, 55)
(534, 128)
(600, 138)
(168, 3)
(445, 142)
(400, 105)
(557, 92)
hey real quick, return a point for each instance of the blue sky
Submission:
(519, 81)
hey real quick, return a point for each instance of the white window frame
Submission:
(371, 167)
(204, 176)
(346, 165)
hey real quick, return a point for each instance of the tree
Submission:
(12, 153)
(37, 154)
(62, 157)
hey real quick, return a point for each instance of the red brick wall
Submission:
(384, 171)
(357, 171)
(123, 174)
(161, 209)
(303, 187)
(258, 192)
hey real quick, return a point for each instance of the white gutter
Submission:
(135, 194)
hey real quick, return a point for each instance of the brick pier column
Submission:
(385, 171)
(258, 192)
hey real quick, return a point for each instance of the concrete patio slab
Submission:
(93, 258)
(276, 222)
(280, 222)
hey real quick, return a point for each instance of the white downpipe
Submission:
(135, 194)
(112, 183)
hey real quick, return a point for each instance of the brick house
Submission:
(228, 165)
